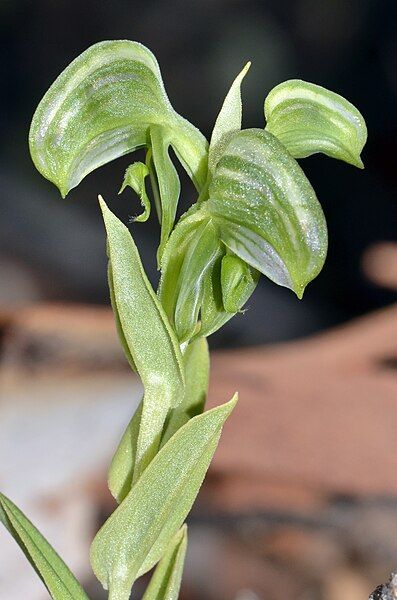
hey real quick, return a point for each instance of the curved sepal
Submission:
(266, 210)
(228, 120)
(308, 118)
(100, 108)
(263, 216)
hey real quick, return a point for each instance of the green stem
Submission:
(154, 183)
(121, 590)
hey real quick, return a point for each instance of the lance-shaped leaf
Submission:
(166, 579)
(119, 327)
(151, 342)
(101, 107)
(196, 368)
(56, 576)
(266, 210)
(308, 118)
(134, 177)
(196, 360)
(157, 504)
(121, 470)
(228, 120)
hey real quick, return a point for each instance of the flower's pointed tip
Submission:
(63, 190)
(299, 291)
(359, 163)
(244, 70)
(354, 160)
(102, 203)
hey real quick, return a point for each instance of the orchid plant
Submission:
(255, 214)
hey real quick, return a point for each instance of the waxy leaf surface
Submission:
(308, 118)
(152, 344)
(121, 470)
(56, 576)
(196, 360)
(157, 504)
(166, 579)
(196, 368)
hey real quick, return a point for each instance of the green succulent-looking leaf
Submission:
(151, 343)
(308, 118)
(134, 177)
(166, 579)
(121, 470)
(102, 107)
(157, 504)
(56, 576)
(119, 326)
(196, 368)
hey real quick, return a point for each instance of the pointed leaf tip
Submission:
(153, 514)
(146, 333)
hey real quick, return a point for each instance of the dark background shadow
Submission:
(52, 249)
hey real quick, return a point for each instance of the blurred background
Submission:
(314, 516)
